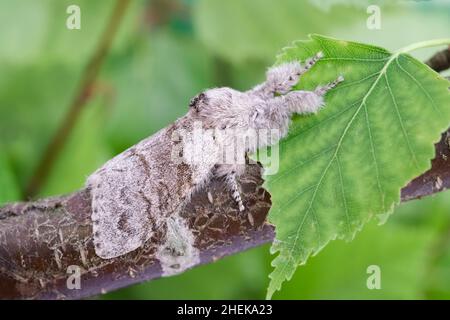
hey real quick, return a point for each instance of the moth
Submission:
(143, 189)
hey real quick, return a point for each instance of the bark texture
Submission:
(39, 241)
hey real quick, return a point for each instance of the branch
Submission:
(440, 61)
(40, 240)
(82, 95)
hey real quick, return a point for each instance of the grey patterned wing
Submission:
(134, 193)
(122, 210)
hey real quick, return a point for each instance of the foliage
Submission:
(348, 163)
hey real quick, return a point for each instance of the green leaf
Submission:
(405, 249)
(400, 251)
(348, 163)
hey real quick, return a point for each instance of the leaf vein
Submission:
(420, 86)
(301, 164)
(372, 147)
(332, 117)
(354, 59)
(399, 117)
(347, 218)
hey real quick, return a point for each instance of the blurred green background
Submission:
(165, 52)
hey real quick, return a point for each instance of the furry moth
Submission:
(142, 189)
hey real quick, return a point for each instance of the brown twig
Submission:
(440, 61)
(39, 241)
(82, 95)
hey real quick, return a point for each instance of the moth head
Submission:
(198, 101)
(212, 100)
(213, 106)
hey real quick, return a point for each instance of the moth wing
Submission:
(121, 206)
(133, 193)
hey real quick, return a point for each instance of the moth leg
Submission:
(282, 78)
(230, 173)
(276, 112)
(306, 101)
(321, 90)
(309, 63)
(234, 188)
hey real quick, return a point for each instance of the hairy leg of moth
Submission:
(302, 101)
(321, 90)
(311, 61)
(230, 172)
(234, 188)
(282, 78)
(276, 112)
